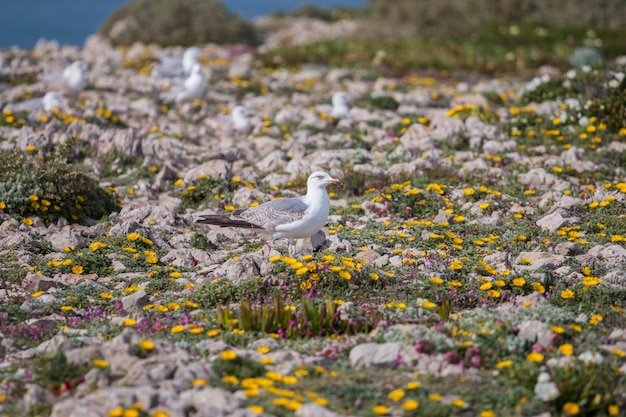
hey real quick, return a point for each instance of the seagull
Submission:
(49, 102)
(70, 82)
(340, 105)
(288, 218)
(52, 100)
(175, 67)
(239, 117)
(194, 85)
(74, 77)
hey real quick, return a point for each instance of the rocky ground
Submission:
(473, 264)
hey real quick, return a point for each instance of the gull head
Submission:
(75, 69)
(191, 54)
(190, 58)
(79, 65)
(321, 180)
(241, 111)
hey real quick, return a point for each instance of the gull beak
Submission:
(336, 182)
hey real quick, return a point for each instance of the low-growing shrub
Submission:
(176, 22)
(50, 189)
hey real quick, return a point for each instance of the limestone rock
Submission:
(209, 402)
(539, 260)
(216, 168)
(135, 301)
(551, 222)
(382, 355)
(66, 238)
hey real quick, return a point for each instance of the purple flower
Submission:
(476, 361)
(452, 357)
(424, 346)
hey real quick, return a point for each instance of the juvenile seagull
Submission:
(290, 218)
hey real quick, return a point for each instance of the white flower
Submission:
(571, 74)
(583, 121)
(545, 389)
(585, 68)
(613, 83)
(591, 358)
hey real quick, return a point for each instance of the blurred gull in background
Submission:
(240, 118)
(49, 102)
(176, 67)
(70, 82)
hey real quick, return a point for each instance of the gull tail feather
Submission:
(225, 221)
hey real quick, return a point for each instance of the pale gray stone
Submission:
(190, 258)
(367, 355)
(539, 260)
(35, 282)
(37, 396)
(100, 402)
(569, 248)
(615, 278)
(501, 261)
(246, 266)
(209, 401)
(551, 222)
(135, 301)
(216, 168)
(538, 178)
(66, 238)
(39, 304)
(370, 256)
(272, 161)
(314, 410)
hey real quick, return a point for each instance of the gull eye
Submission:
(320, 177)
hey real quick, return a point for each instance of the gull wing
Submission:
(273, 213)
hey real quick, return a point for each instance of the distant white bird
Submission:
(175, 67)
(339, 108)
(340, 105)
(194, 85)
(70, 82)
(240, 117)
(289, 218)
(192, 88)
(74, 76)
(52, 100)
(190, 58)
(48, 102)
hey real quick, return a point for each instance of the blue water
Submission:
(23, 22)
